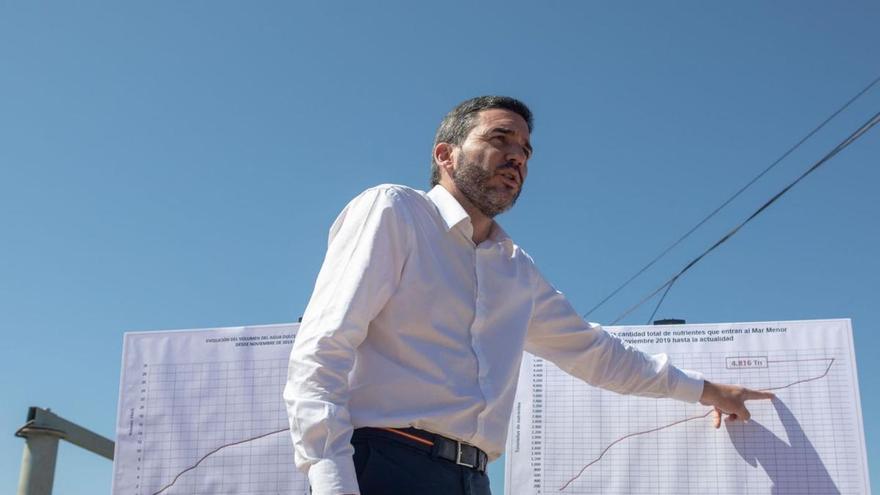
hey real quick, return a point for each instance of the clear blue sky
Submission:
(170, 165)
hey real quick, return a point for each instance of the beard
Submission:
(473, 181)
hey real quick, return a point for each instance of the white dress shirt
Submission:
(411, 324)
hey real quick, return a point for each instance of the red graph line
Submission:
(612, 444)
(653, 430)
(805, 380)
(209, 454)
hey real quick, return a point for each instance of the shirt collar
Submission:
(499, 235)
(454, 214)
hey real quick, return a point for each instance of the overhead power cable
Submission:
(732, 197)
(668, 285)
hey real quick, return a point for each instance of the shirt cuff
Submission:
(688, 385)
(333, 477)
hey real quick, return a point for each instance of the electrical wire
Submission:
(837, 149)
(734, 196)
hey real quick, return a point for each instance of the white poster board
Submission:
(200, 411)
(569, 438)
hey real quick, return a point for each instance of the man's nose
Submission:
(517, 158)
(516, 155)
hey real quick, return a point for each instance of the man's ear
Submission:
(443, 155)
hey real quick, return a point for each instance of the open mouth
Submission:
(510, 177)
(509, 183)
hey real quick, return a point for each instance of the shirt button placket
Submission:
(480, 315)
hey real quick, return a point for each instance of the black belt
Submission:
(448, 449)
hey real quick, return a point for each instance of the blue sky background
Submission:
(168, 165)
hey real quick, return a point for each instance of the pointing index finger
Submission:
(750, 394)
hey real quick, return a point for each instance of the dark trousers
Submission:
(387, 464)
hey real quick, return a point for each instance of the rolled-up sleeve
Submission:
(366, 253)
(585, 350)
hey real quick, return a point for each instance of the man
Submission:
(403, 374)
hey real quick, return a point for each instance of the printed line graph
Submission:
(201, 412)
(569, 437)
(217, 424)
(801, 381)
(218, 449)
(631, 435)
(830, 362)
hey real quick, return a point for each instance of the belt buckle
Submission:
(459, 461)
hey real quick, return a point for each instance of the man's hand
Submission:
(730, 400)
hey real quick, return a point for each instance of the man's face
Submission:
(491, 164)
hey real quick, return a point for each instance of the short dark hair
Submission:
(459, 122)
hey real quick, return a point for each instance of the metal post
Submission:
(38, 461)
(41, 432)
